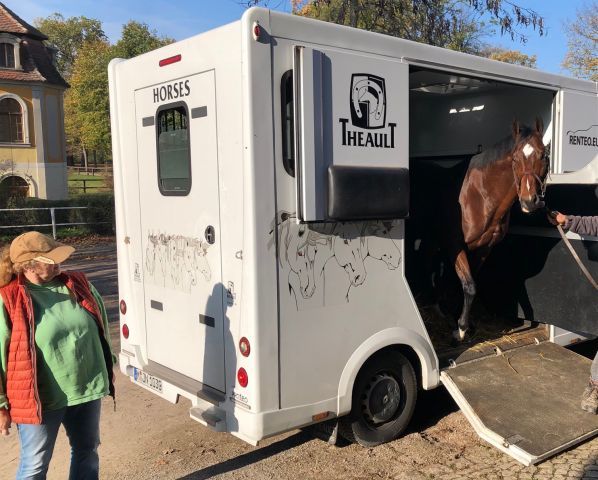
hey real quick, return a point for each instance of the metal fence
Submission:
(53, 224)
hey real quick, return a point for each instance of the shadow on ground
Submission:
(250, 458)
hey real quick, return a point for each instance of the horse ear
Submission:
(516, 129)
(539, 125)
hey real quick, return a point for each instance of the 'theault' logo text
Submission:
(368, 112)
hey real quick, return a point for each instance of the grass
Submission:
(97, 183)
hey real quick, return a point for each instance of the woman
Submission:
(60, 376)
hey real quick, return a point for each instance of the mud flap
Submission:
(526, 401)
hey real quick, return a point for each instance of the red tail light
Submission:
(244, 347)
(123, 307)
(125, 330)
(242, 377)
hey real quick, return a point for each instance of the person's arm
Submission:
(5, 331)
(102, 307)
(582, 225)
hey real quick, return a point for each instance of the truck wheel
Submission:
(384, 398)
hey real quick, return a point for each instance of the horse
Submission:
(515, 168)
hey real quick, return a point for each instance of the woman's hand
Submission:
(5, 421)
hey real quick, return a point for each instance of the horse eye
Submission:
(300, 254)
(346, 241)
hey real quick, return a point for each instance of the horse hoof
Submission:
(459, 335)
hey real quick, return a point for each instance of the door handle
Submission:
(210, 234)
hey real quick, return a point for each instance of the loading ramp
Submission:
(526, 401)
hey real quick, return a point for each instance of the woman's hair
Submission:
(8, 269)
(6, 266)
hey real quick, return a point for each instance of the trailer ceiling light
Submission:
(170, 60)
(123, 307)
(125, 331)
(244, 347)
(242, 377)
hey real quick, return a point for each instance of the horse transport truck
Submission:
(273, 181)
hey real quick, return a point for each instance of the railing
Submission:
(85, 187)
(91, 170)
(53, 223)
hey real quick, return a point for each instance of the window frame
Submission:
(288, 148)
(24, 121)
(16, 43)
(173, 193)
(3, 50)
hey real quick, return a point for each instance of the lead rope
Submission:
(576, 257)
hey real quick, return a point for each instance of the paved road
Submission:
(148, 438)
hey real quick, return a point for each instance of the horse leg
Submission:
(469, 290)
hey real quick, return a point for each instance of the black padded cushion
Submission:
(367, 193)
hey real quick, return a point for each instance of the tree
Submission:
(137, 38)
(508, 15)
(509, 56)
(436, 22)
(69, 35)
(87, 111)
(582, 45)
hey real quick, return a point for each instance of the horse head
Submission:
(530, 166)
(348, 253)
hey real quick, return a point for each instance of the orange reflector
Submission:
(170, 60)
(319, 416)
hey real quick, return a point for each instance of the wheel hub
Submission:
(382, 399)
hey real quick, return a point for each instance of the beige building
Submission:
(32, 141)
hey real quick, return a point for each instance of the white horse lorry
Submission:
(266, 192)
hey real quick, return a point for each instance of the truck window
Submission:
(288, 127)
(174, 157)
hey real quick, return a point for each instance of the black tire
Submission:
(384, 397)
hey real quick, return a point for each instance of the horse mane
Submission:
(499, 149)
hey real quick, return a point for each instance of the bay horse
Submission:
(515, 168)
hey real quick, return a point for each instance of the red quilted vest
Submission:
(21, 384)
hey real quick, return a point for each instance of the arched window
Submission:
(11, 121)
(7, 55)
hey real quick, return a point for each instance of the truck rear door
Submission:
(180, 225)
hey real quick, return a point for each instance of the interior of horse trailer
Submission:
(453, 117)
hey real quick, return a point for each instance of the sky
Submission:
(183, 18)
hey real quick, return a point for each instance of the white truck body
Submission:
(217, 242)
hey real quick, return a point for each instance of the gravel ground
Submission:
(149, 438)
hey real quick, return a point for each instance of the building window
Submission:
(7, 55)
(174, 155)
(11, 121)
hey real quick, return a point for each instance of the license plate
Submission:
(148, 380)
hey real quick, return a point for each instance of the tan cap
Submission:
(40, 247)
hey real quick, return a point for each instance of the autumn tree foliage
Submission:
(582, 46)
(510, 56)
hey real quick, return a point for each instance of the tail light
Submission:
(123, 307)
(242, 377)
(125, 331)
(244, 347)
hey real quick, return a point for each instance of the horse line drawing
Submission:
(305, 252)
(176, 261)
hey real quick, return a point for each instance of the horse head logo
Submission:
(368, 101)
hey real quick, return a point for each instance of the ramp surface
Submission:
(526, 402)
